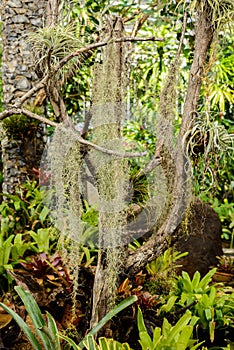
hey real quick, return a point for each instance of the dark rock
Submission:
(200, 235)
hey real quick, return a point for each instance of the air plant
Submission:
(51, 44)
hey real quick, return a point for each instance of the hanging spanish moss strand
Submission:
(171, 148)
(65, 160)
(112, 172)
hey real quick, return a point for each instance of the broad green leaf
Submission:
(166, 327)
(208, 314)
(197, 346)
(17, 203)
(212, 295)
(70, 342)
(207, 279)
(53, 330)
(169, 305)
(125, 303)
(140, 321)
(183, 321)
(23, 326)
(196, 279)
(156, 335)
(90, 343)
(183, 339)
(145, 339)
(43, 214)
(34, 313)
(105, 344)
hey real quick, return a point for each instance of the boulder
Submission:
(200, 236)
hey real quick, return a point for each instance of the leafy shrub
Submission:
(213, 307)
(47, 330)
(162, 271)
(177, 337)
(24, 211)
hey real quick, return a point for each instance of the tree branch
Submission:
(158, 242)
(100, 44)
(20, 111)
(18, 103)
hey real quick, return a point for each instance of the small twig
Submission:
(182, 34)
(150, 38)
(156, 161)
(181, 311)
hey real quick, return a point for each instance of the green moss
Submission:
(19, 126)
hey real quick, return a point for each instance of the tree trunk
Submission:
(23, 141)
(158, 242)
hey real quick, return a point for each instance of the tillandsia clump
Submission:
(51, 44)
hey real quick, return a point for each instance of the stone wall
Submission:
(18, 76)
(18, 18)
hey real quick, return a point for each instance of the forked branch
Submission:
(23, 111)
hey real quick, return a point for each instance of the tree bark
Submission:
(158, 242)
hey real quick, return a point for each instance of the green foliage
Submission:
(188, 288)
(138, 136)
(177, 337)
(51, 44)
(5, 251)
(165, 262)
(104, 344)
(213, 307)
(207, 137)
(0, 71)
(25, 227)
(162, 271)
(14, 248)
(47, 330)
(219, 85)
(18, 127)
(12, 251)
(44, 239)
(24, 210)
(225, 211)
(221, 12)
